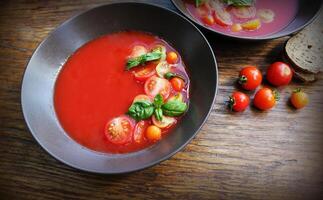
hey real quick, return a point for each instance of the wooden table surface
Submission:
(252, 155)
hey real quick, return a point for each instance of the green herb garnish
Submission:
(239, 2)
(142, 109)
(155, 54)
(174, 108)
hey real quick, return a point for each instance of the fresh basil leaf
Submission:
(239, 2)
(158, 101)
(155, 54)
(140, 110)
(174, 108)
(159, 114)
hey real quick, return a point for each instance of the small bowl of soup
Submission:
(110, 92)
(250, 19)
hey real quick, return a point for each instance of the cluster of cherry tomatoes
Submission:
(250, 78)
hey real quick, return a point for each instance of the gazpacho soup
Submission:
(121, 92)
(244, 17)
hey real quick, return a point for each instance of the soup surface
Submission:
(262, 17)
(115, 93)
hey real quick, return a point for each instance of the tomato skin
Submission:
(299, 99)
(208, 19)
(239, 101)
(119, 130)
(264, 99)
(153, 133)
(177, 84)
(279, 74)
(250, 77)
(172, 57)
(155, 85)
(140, 130)
(145, 72)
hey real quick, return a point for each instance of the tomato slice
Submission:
(223, 18)
(140, 129)
(143, 73)
(142, 97)
(162, 68)
(166, 122)
(119, 130)
(155, 85)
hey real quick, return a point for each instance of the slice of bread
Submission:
(305, 49)
(299, 74)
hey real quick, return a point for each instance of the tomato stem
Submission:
(242, 80)
(276, 95)
(230, 103)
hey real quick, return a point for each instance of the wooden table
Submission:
(252, 155)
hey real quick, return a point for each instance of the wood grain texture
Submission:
(252, 155)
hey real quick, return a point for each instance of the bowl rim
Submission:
(246, 38)
(169, 155)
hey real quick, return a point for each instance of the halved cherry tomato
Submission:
(222, 17)
(250, 77)
(138, 50)
(142, 97)
(119, 130)
(153, 133)
(162, 68)
(144, 72)
(251, 25)
(165, 122)
(177, 83)
(244, 12)
(279, 74)
(140, 129)
(265, 99)
(299, 99)
(208, 19)
(155, 85)
(238, 101)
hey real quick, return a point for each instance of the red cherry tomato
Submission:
(250, 78)
(119, 130)
(238, 101)
(279, 74)
(143, 73)
(177, 84)
(155, 85)
(265, 99)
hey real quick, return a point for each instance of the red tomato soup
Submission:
(260, 18)
(121, 92)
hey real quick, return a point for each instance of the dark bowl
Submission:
(51, 54)
(308, 12)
